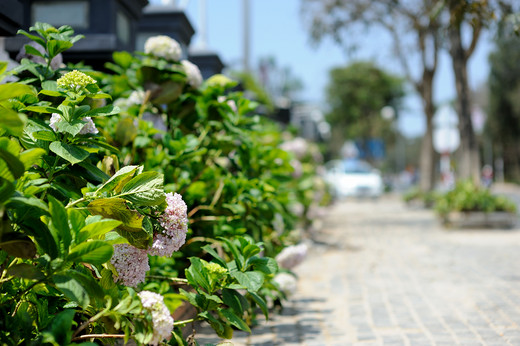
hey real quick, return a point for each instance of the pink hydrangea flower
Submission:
(161, 317)
(174, 223)
(291, 256)
(131, 264)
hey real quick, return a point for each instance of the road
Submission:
(380, 273)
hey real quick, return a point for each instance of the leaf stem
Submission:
(178, 280)
(71, 204)
(98, 336)
(184, 322)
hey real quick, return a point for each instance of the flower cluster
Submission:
(162, 46)
(291, 256)
(174, 223)
(131, 264)
(215, 268)
(286, 282)
(193, 74)
(89, 126)
(75, 81)
(161, 317)
(298, 146)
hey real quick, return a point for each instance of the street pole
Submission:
(246, 23)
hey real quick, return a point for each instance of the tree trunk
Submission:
(469, 158)
(427, 159)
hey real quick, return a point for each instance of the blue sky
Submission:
(277, 29)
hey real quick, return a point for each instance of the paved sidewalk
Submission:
(382, 274)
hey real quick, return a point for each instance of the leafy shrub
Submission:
(93, 193)
(466, 197)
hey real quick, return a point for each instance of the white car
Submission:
(354, 178)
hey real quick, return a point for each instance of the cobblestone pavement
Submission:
(379, 273)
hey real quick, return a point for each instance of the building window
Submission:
(58, 13)
(123, 28)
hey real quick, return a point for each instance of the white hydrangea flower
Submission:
(174, 221)
(161, 317)
(89, 126)
(286, 282)
(136, 97)
(291, 256)
(131, 264)
(298, 146)
(192, 73)
(162, 46)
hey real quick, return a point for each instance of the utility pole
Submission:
(246, 22)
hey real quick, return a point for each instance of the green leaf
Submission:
(73, 127)
(77, 222)
(55, 47)
(53, 93)
(123, 59)
(12, 90)
(11, 121)
(239, 259)
(140, 239)
(25, 271)
(261, 303)
(253, 281)
(95, 252)
(97, 229)
(126, 131)
(33, 51)
(11, 168)
(70, 153)
(235, 300)
(31, 157)
(168, 92)
(235, 320)
(60, 329)
(213, 253)
(72, 289)
(33, 205)
(34, 38)
(214, 322)
(103, 111)
(145, 189)
(118, 180)
(266, 265)
(59, 223)
(250, 250)
(117, 209)
(90, 284)
(18, 245)
(195, 274)
(6, 190)
(42, 109)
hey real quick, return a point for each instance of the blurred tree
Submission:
(356, 94)
(503, 123)
(468, 18)
(415, 37)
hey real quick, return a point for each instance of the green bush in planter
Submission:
(467, 197)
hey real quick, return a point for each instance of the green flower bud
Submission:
(75, 81)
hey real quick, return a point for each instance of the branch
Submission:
(474, 40)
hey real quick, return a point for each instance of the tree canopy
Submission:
(356, 94)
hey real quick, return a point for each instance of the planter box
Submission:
(477, 219)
